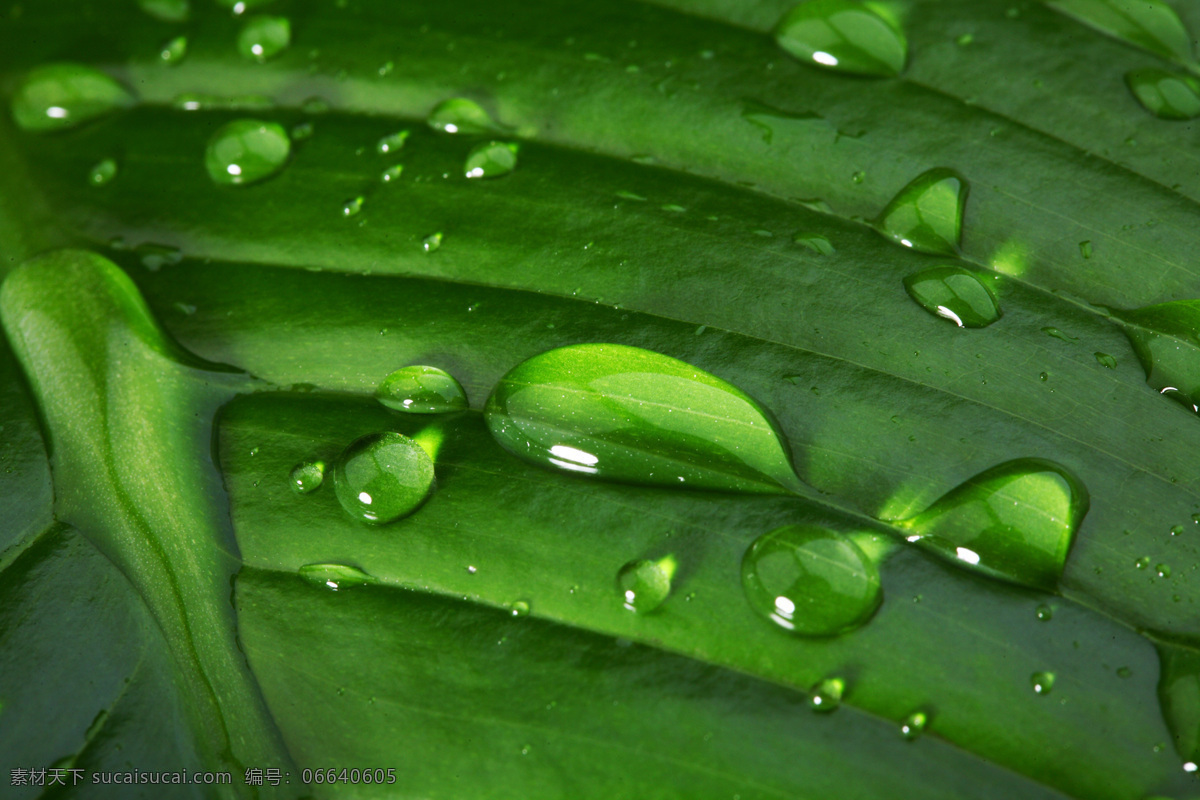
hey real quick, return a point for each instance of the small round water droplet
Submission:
(810, 581)
(955, 294)
(1044, 612)
(335, 577)
(460, 115)
(351, 207)
(59, 96)
(432, 242)
(926, 215)
(264, 36)
(1177, 530)
(1042, 682)
(392, 173)
(391, 143)
(845, 36)
(167, 10)
(913, 725)
(815, 242)
(644, 585)
(519, 609)
(490, 160)
(1164, 94)
(421, 390)
(246, 151)
(1142, 562)
(173, 52)
(826, 695)
(307, 476)
(382, 477)
(1162, 570)
(1105, 360)
(1043, 376)
(103, 172)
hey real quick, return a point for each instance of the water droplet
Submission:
(815, 242)
(1124, 672)
(246, 151)
(1151, 25)
(519, 609)
(624, 195)
(422, 390)
(432, 242)
(926, 215)
(843, 35)
(1105, 360)
(59, 96)
(490, 160)
(1042, 682)
(382, 477)
(1057, 334)
(239, 7)
(1014, 521)
(1166, 338)
(675, 207)
(858, 177)
(264, 37)
(769, 119)
(193, 101)
(352, 207)
(913, 725)
(335, 576)
(644, 585)
(167, 10)
(460, 115)
(174, 51)
(633, 415)
(1142, 562)
(1085, 248)
(811, 581)
(156, 256)
(1044, 612)
(1043, 376)
(302, 131)
(1177, 530)
(103, 172)
(1162, 570)
(307, 476)
(826, 695)
(391, 143)
(1164, 94)
(964, 40)
(392, 173)
(955, 294)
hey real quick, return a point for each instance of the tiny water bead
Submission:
(351, 207)
(955, 294)
(1142, 562)
(914, 725)
(102, 172)
(306, 477)
(491, 160)
(632, 415)
(173, 52)
(519, 609)
(1042, 682)
(1166, 339)
(432, 242)
(382, 477)
(826, 695)
(1015, 521)
(845, 36)
(335, 576)
(263, 37)
(810, 581)
(239, 7)
(60, 96)
(1044, 612)
(245, 151)
(643, 585)
(302, 131)
(167, 10)
(421, 390)
(391, 143)
(927, 214)
(1105, 360)
(1151, 25)
(1162, 570)
(460, 115)
(1167, 95)
(815, 242)
(392, 173)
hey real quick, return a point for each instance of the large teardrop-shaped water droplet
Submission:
(167, 10)
(1166, 338)
(382, 477)
(845, 36)
(1151, 25)
(644, 585)
(490, 160)
(1014, 521)
(422, 390)
(810, 580)
(1165, 94)
(335, 576)
(246, 150)
(58, 96)
(1179, 697)
(460, 115)
(637, 416)
(264, 37)
(956, 294)
(926, 215)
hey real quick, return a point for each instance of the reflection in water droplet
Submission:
(826, 695)
(421, 390)
(264, 37)
(633, 415)
(644, 585)
(845, 36)
(391, 143)
(245, 151)
(432, 242)
(1151, 25)
(460, 115)
(335, 576)
(307, 476)
(955, 294)
(1044, 612)
(59, 96)
(811, 581)
(382, 477)
(913, 725)
(1164, 94)
(167, 10)
(1042, 682)
(174, 51)
(103, 172)
(1014, 521)
(815, 242)
(1166, 338)
(927, 214)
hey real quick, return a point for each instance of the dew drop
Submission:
(1042, 682)
(1162, 570)
(1164, 94)
(843, 35)
(1044, 612)
(810, 581)
(174, 51)
(307, 476)
(1151, 25)
(382, 477)
(352, 207)
(1055, 333)
(826, 695)
(263, 37)
(156, 256)
(490, 160)
(59, 96)
(335, 576)
(1142, 562)
(519, 609)
(432, 242)
(955, 294)
(239, 7)
(460, 115)
(913, 725)
(1166, 339)
(421, 390)
(643, 585)
(926, 215)
(102, 172)
(391, 143)
(632, 415)
(1105, 360)
(815, 242)
(1177, 530)
(1014, 521)
(167, 10)
(1085, 248)
(392, 173)
(246, 151)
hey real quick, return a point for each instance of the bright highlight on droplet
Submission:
(825, 58)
